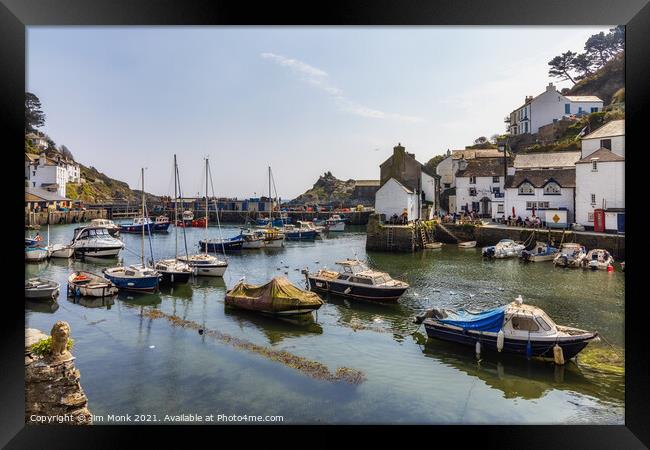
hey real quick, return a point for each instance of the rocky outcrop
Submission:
(327, 189)
(53, 393)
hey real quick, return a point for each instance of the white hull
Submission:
(99, 253)
(61, 251)
(36, 255)
(468, 244)
(208, 271)
(340, 226)
(275, 243)
(253, 244)
(541, 258)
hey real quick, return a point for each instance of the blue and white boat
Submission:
(137, 225)
(515, 328)
(161, 225)
(541, 252)
(227, 245)
(300, 233)
(36, 254)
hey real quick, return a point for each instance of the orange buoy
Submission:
(610, 268)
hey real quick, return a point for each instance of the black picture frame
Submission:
(15, 15)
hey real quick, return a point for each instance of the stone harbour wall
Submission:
(397, 238)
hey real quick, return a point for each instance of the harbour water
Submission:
(135, 363)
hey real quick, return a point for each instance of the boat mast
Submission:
(206, 205)
(144, 222)
(270, 201)
(175, 207)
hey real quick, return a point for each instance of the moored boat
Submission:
(205, 265)
(293, 233)
(598, 259)
(221, 245)
(161, 224)
(40, 288)
(272, 237)
(36, 254)
(335, 223)
(571, 254)
(137, 225)
(515, 328)
(356, 281)
(88, 284)
(277, 297)
(95, 242)
(541, 252)
(252, 240)
(136, 278)
(173, 270)
(61, 251)
(467, 244)
(505, 248)
(112, 227)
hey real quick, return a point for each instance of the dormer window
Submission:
(472, 180)
(526, 189)
(552, 188)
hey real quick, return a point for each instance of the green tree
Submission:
(34, 116)
(433, 162)
(66, 152)
(601, 47)
(561, 65)
(617, 38)
(582, 64)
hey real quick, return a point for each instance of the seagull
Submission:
(471, 295)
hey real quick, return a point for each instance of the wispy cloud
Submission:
(320, 79)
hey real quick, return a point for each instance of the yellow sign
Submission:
(556, 218)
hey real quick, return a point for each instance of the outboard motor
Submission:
(489, 252)
(525, 256)
(564, 260)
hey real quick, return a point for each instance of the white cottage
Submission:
(600, 179)
(395, 198)
(548, 106)
(543, 185)
(479, 187)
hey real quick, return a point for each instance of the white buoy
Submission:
(558, 355)
(478, 349)
(500, 339)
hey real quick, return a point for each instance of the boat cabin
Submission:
(520, 320)
(91, 232)
(357, 272)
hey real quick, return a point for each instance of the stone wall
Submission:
(354, 217)
(61, 217)
(52, 388)
(379, 237)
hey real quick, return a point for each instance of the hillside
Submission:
(98, 188)
(327, 189)
(605, 83)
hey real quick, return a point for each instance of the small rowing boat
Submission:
(41, 288)
(467, 244)
(88, 284)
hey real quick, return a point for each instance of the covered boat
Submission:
(598, 259)
(571, 254)
(515, 328)
(505, 248)
(40, 288)
(173, 271)
(358, 282)
(541, 252)
(278, 297)
(88, 284)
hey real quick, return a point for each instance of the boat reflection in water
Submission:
(276, 329)
(139, 299)
(48, 306)
(93, 302)
(521, 378)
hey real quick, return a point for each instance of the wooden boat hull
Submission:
(171, 277)
(571, 346)
(355, 292)
(309, 235)
(134, 284)
(95, 286)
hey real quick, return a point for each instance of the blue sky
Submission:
(303, 100)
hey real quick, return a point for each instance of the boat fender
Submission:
(478, 349)
(529, 349)
(558, 355)
(500, 339)
(347, 291)
(610, 268)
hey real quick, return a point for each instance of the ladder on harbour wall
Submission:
(424, 239)
(389, 237)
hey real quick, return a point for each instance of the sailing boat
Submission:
(138, 278)
(205, 264)
(273, 237)
(173, 270)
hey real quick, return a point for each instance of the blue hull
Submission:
(356, 292)
(544, 349)
(145, 284)
(137, 228)
(161, 227)
(300, 235)
(276, 222)
(229, 246)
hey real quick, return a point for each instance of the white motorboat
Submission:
(205, 265)
(41, 288)
(335, 223)
(541, 252)
(95, 242)
(252, 240)
(467, 244)
(598, 259)
(570, 255)
(505, 248)
(90, 285)
(112, 227)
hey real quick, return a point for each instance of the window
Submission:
(475, 206)
(543, 324)
(500, 208)
(593, 199)
(472, 192)
(33, 172)
(531, 205)
(542, 204)
(594, 109)
(524, 324)
(567, 108)
(447, 185)
(472, 180)
(594, 165)
(606, 143)
(526, 189)
(496, 190)
(33, 183)
(525, 127)
(552, 188)
(579, 109)
(495, 179)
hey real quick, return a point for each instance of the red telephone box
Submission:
(599, 220)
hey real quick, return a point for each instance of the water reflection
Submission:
(275, 328)
(44, 306)
(93, 302)
(139, 299)
(519, 377)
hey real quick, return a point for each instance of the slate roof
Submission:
(366, 182)
(471, 153)
(483, 167)
(612, 128)
(601, 155)
(546, 160)
(400, 184)
(566, 178)
(44, 194)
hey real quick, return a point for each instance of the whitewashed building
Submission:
(479, 187)
(548, 106)
(600, 179)
(543, 184)
(395, 198)
(51, 173)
